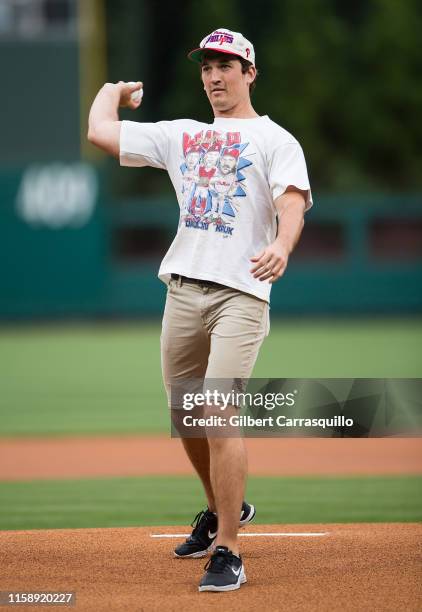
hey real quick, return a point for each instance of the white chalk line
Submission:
(250, 535)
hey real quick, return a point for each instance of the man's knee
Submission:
(226, 433)
(185, 422)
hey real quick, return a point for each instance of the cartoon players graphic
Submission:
(212, 180)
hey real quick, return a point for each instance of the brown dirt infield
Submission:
(84, 457)
(359, 567)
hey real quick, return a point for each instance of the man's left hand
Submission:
(271, 263)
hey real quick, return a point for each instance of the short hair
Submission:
(211, 55)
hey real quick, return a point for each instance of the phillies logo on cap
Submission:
(215, 146)
(220, 37)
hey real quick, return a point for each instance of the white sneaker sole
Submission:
(196, 555)
(229, 587)
(249, 518)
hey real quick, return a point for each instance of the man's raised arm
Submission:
(103, 122)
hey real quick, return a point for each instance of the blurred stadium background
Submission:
(81, 238)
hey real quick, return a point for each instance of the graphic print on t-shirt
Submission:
(212, 180)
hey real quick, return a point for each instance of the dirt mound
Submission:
(355, 567)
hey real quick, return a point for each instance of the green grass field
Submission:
(123, 502)
(106, 379)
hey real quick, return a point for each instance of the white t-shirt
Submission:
(226, 176)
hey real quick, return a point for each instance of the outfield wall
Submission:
(68, 249)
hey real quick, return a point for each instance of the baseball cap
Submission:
(232, 152)
(225, 41)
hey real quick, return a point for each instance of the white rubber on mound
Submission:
(250, 535)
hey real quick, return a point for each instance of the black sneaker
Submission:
(205, 525)
(202, 537)
(224, 571)
(247, 514)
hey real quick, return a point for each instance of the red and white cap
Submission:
(232, 152)
(225, 41)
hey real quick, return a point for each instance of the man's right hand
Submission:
(126, 90)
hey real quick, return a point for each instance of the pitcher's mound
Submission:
(326, 567)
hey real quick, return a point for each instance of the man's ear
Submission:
(252, 74)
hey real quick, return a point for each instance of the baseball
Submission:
(136, 96)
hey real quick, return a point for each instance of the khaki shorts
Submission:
(210, 332)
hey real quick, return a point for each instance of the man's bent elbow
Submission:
(106, 137)
(91, 136)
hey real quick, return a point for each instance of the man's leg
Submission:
(198, 451)
(184, 357)
(205, 524)
(237, 326)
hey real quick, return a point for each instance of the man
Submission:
(224, 183)
(190, 174)
(201, 201)
(219, 271)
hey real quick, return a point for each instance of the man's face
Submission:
(192, 159)
(211, 158)
(227, 164)
(224, 83)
